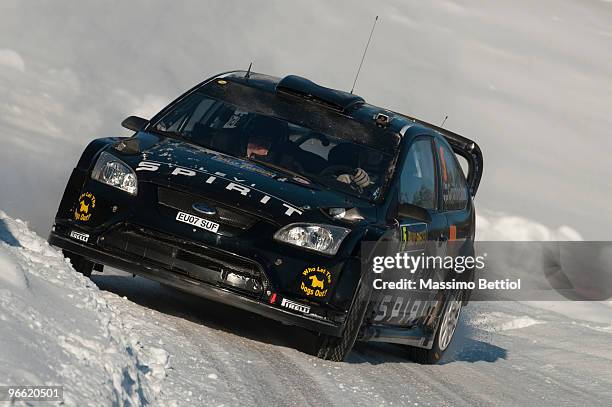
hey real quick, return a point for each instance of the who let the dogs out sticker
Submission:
(315, 281)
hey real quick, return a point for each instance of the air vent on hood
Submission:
(333, 98)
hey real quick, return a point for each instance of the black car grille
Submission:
(202, 263)
(224, 215)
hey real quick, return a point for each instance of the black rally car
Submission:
(258, 192)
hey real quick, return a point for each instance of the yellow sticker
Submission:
(413, 236)
(315, 281)
(86, 203)
(222, 82)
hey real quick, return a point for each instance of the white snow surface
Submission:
(119, 340)
(57, 328)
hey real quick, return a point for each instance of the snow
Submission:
(504, 353)
(57, 328)
(500, 321)
(498, 226)
(129, 341)
(11, 59)
(593, 311)
(529, 82)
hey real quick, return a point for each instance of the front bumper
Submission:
(149, 269)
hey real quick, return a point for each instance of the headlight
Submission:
(112, 171)
(321, 238)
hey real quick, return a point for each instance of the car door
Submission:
(418, 186)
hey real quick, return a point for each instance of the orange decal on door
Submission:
(452, 233)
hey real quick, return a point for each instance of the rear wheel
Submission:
(444, 335)
(80, 263)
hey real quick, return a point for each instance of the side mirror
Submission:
(135, 123)
(406, 210)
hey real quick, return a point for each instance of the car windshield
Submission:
(304, 154)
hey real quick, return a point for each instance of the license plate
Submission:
(197, 222)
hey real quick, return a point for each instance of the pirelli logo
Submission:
(305, 309)
(83, 237)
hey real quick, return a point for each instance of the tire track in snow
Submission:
(257, 361)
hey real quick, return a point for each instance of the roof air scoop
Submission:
(302, 87)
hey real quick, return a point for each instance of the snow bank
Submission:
(57, 329)
(498, 226)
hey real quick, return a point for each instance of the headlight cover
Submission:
(312, 236)
(112, 171)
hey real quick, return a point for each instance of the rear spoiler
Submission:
(464, 147)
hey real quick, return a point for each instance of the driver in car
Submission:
(359, 178)
(258, 146)
(261, 140)
(345, 157)
(263, 132)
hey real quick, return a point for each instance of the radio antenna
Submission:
(248, 72)
(444, 121)
(364, 54)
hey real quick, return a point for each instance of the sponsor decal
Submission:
(401, 310)
(413, 236)
(454, 195)
(452, 232)
(295, 306)
(231, 184)
(197, 222)
(234, 162)
(85, 206)
(83, 237)
(315, 281)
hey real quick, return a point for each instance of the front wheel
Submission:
(337, 348)
(444, 335)
(80, 263)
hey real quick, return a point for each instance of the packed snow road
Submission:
(130, 341)
(503, 354)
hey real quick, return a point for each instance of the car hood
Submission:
(233, 181)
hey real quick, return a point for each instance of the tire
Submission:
(80, 263)
(336, 348)
(444, 334)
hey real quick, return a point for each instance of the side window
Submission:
(418, 177)
(454, 186)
